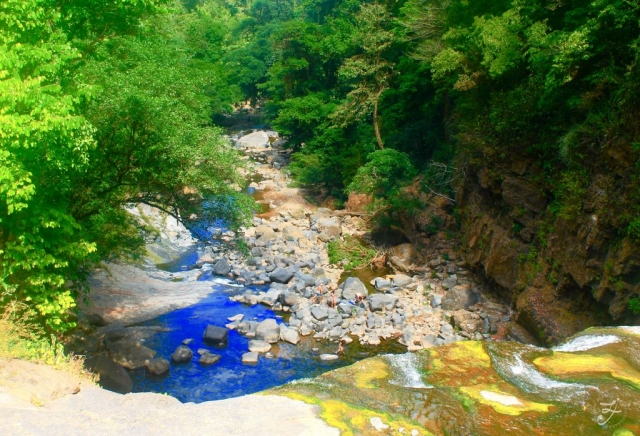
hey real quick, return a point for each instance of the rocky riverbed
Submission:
(431, 300)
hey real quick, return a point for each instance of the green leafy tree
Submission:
(367, 73)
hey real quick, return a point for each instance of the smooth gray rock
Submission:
(182, 354)
(268, 330)
(158, 366)
(351, 287)
(251, 357)
(381, 284)
(222, 267)
(259, 346)
(382, 301)
(289, 335)
(401, 280)
(216, 336)
(281, 275)
(319, 313)
(327, 357)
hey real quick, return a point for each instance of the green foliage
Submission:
(634, 305)
(91, 120)
(352, 250)
(383, 174)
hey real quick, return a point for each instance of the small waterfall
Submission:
(526, 377)
(586, 342)
(407, 375)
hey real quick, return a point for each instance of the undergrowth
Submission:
(19, 340)
(351, 250)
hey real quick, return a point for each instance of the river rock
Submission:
(112, 376)
(251, 357)
(319, 313)
(450, 282)
(95, 320)
(222, 267)
(259, 346)
(329, 229)
(182, 354)
(327, 357)
(351, 287)
(216, 336)
(209, 359)
(112, 332)
(436, 301)
(130, 354)
(289, 335)
(446, 329)
(382, 301)
(381, 284)
(401, 280)
(157, 366)
(288, 298)
(268, 330)
(460, 297)
(281, 275)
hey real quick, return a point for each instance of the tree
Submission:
(367, 73)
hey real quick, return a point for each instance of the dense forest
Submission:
(108, 103)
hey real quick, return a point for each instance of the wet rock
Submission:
(251, 357)
(289, 335)
(112, 376)
(268, 330)
(130, 354)
(328, 357)
(222, 267)
(216, 336)
(259, 346)
(157, 366)
(182, 354)
(209, 359)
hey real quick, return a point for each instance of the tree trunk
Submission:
(375, 125)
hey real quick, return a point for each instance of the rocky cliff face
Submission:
(561, 273)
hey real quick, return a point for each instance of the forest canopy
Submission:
(107, 103)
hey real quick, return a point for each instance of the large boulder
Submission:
(329, 229)
(251, 357)
(460, 297)
(222, 267)
(182, 354)
(281, 275)
(112, 376)
(268, 331)
(130, 354)
(289, 335)
(382, 301)
(401, 257)
(351, 287)
(265, 233)
(319, 313)
(216, 336)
